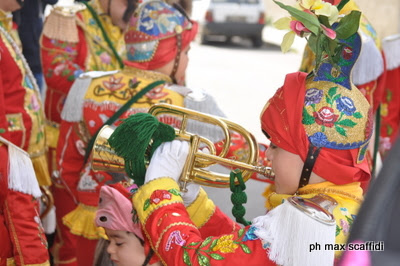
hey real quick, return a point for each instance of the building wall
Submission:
(384, 15)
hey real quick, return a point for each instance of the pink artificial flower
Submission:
(298, 27)
(331, 34)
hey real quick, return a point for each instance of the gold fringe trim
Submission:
(81, 222)
(61, 25)
(52, 132)
(41, 170)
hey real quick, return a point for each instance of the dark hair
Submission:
(132, 4)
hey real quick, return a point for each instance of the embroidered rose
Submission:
(370, 124)
(313, 96)
(159, 195)
(345, 105)
(325, 117)
(384, 144)
(225, 244)
(347, 53)
(105, 58)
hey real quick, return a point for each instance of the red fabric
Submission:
(85, 251)
(390, 111)
(178, 240)
(164, 53)
(282, 120)
(64, 247)
(60, 61)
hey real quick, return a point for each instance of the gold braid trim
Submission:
(330, 191)
(159, 206)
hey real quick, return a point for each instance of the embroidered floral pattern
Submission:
(60, 60)
(116, 88)
(335, 114)
(211, 249)
(345, 224)
(160, 195)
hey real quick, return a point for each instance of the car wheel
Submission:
(203, 39)
(257, 41)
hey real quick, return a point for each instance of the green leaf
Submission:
(346, 123)
(241, 231)
(349, 220)
(358, 115)
(203, 260)
(338, 229)
(348, 25)
(2, 130)
(336, 97)
(186, 258)
(245, 248)
(71, 78)
(307, 118)
(341, 131)
(328, 99)
(213, 244)
(206, 242)
(146, 204)
(324, 20)
(193, 244)
(174, 191)
(332, 91)
(216, 256)
(310, 21)
(342, 4)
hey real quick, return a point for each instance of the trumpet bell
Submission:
(104, 158)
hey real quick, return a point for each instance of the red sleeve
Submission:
(219, 223)
(25, 229)
(177, 241)
(62, 63)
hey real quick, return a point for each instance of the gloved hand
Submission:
(168, 161)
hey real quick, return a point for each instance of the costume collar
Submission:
(351, 190)
(146, 74)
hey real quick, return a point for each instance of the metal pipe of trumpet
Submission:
(104, 157)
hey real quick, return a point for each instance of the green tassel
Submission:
(131, 140)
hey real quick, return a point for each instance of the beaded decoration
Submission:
(152, 21)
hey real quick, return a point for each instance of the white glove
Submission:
(168, 161)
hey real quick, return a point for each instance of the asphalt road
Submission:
(241, 79)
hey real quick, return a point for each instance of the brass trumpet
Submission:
(104, 157)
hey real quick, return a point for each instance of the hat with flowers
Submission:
(322, 116)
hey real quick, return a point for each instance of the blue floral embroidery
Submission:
(345, 105)
(319, 139)
(313, 96)
(250, 234)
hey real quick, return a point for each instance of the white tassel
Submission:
(72, 110)
(291, 233)
(391, 48)
(202, 102)
(369, 65)
(21, 175)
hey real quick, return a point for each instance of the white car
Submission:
(244, 18)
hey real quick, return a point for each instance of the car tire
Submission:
(257, 41)
(203, 39)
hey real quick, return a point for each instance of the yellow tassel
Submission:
(41, 170)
